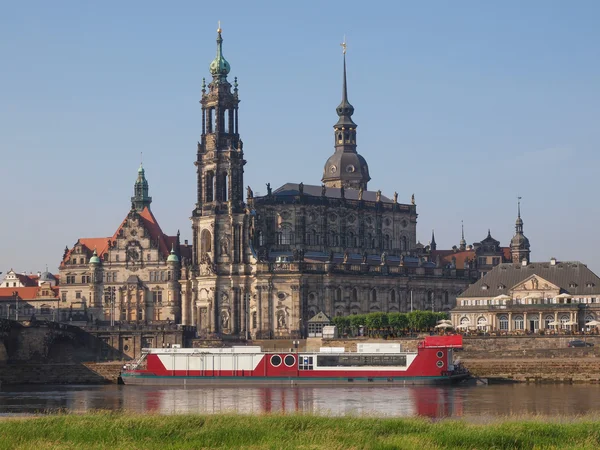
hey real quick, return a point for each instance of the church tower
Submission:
(345, 168)
(519, 244)
(140, 197)
(219, 222)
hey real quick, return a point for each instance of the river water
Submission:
(396, 401)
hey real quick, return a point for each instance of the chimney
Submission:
(185, 242)
(524, 262)
(553, 261)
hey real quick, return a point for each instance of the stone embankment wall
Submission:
(87, 373)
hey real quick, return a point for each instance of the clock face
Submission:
(333, 169)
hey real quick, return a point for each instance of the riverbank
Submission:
(126, 431)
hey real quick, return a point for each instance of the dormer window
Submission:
(484, 287)
(501, 286)
(572, 285)
(590, 285)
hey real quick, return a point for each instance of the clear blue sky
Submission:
(467, 104)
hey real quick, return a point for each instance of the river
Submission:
(434, 402)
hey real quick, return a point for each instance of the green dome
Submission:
(173, 257)
(219, 67)
(94, 259)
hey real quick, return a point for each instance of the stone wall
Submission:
(92, 373)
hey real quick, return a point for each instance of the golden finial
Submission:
(344, 45)
(219, 29)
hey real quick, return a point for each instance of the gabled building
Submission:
(24, 296)
(130, 276)
(529, 297)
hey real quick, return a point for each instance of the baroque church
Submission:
(263, 266)
(131, 276)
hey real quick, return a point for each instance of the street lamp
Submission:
(16, 294)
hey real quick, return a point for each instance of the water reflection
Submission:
(435, 402)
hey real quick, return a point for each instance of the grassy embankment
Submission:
(126, 431)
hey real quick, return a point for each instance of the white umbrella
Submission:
(449, 322)
(592, 323)
(530, 297)
(564, 295)
(502, 297)
(572, 322)
(463, 325)
(554, 323)
(444, 325)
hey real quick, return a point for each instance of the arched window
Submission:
(465, 322)
(351, 239)
(503, 320)
(224, 190)
(338, 295)
(370, 240)
(211, 120)
(430, 302)
(209, 186)
(354, 295)
(519, 323)
(403, 244)
(564, 319)
(481, 323)
(226, 121)
(260, 238)
(386, 240)
(205, 242)
(393, 296)
(285, 235)
(446, 298)
(254, 319)
(548, 319)
(373, 295)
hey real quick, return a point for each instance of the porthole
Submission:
(275, 360)
(126, 347)
(440, 354)
(289, 360)
(440, 364)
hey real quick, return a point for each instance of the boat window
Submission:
(360, 360)
(305, 362)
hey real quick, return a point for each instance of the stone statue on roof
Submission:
(383, 258)
(360, 193)
(342, 193)
(249, 192)
(412, 199)
(395, 197)
(301, 188)
(269, 189)
(378, 196)
(364, 257)
(330, 258)
(323, 190)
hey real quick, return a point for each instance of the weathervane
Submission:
(344, 45)
(219, 29)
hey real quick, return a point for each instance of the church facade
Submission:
(262, 266)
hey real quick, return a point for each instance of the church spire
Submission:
(346, 167)
(432, 244)
(519, 244)
(140, 197)
(219, 68)
(463, 242)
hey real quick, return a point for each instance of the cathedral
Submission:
(263, 266)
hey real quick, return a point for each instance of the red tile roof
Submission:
(447, 255)
(24, 293)
(150, 223)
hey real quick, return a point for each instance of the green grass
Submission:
(127, 431)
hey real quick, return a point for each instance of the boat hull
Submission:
(154, 380)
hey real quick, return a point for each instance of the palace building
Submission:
(263, 266)
(130, 276)
(530, 297)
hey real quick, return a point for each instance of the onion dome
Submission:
(219, 68)
(173, 257)
(94, 259)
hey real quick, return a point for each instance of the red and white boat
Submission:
(384, 363)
